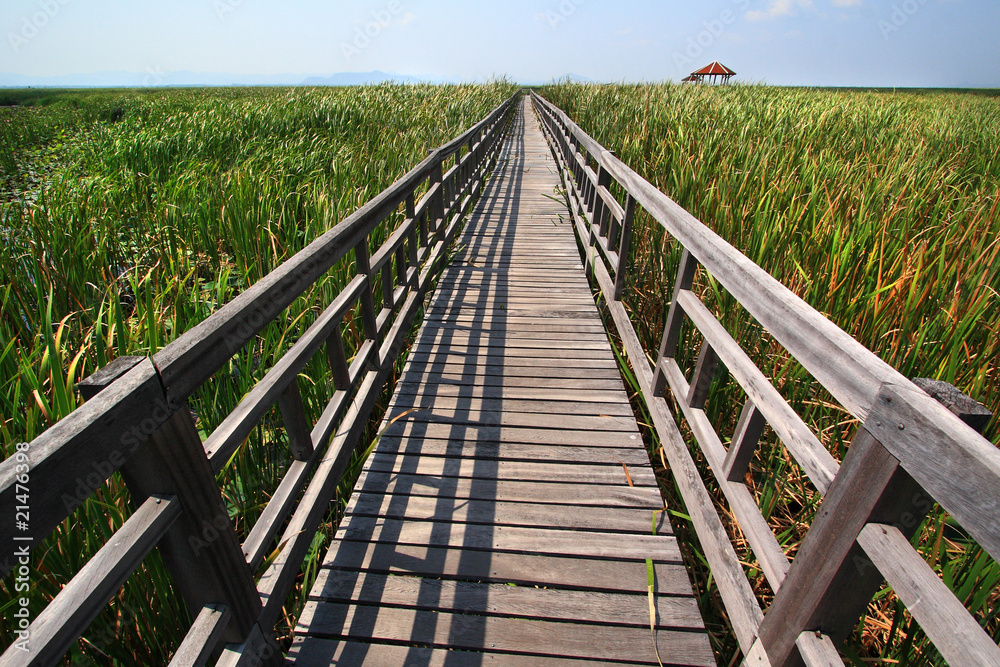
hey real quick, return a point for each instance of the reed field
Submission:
(127, 217)
(130, 216)
(880, 209)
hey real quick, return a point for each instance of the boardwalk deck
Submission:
(506, 515)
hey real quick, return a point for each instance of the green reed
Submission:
(881, 210)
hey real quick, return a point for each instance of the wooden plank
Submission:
(955, 633)
(495, 512)
(297, 426)
(504, 418)
(442, 629)
(495, 357)
(530, 570)
(469, 392)
(316, 652)
(548, 436)
(528, 491)
(484, 452)
(550, 541)
(825, 586)
(953, 463)
(810, 453)
(578, 473)
(465, 597)
(203, 637)
(69, 614)
(616, 405)
(78, 453)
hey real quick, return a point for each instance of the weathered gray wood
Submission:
(818, 650)
(296, 424)
(205, 634)
(744, 443)
(69, 614)
(742, 503)
(961, 405)
(504, 418)
(512, 512)
(675, 316)
(741, 604)
(504, 600)
(337, 358)
(624, 248)
(808, 451)
(529, 570)
(953, 463)
(471, 446)
(582, 473)
(259, 650)
(831, 582)
(76, 455)
(527, 435)
(235, 428)
(315, 652)
(704, 373)
(103, 377)
(955, 633)
(613, 406)
(486, 451)
(200, 549)
(507, 634)
(525, 491)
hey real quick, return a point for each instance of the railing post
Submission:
(201, 549)
(436, 205)
(624, 247)
(832, 579)
(363, 259)
(675, 316)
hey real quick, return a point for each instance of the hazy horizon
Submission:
(842, 43)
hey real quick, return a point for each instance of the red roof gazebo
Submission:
(714, 72)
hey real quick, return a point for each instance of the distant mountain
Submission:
(573, 78)
(359, 79)
(155, 78)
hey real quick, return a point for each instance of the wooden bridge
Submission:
(509, 514)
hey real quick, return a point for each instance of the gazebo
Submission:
(691, 79)
(713, 73)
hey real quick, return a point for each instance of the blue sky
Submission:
(801, 42)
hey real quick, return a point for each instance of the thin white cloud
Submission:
(780, 8)
(846, 3)
(408, 18)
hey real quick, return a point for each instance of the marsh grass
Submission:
(881, 210)
(162, 207)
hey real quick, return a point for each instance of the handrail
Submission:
(136, 420)
(909, 449)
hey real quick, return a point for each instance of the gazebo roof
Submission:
(689, 79)
(715, 69)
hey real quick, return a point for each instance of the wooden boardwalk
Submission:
(507, 513)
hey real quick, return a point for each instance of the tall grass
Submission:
(882, 210)
(164, 205)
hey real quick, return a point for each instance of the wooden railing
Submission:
(908, 452)
(137, 421)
